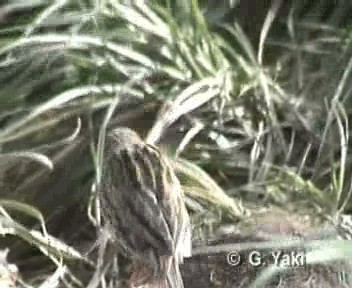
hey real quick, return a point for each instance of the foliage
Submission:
(262, 125)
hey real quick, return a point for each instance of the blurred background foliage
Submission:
(253, 97)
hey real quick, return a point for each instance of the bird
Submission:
(142, 203)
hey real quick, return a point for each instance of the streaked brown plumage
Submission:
(143, 204)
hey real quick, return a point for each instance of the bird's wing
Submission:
(141, 201)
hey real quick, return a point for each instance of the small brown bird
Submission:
(142, 202)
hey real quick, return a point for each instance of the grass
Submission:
(264, 125)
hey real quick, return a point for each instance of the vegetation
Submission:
(263, 114)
